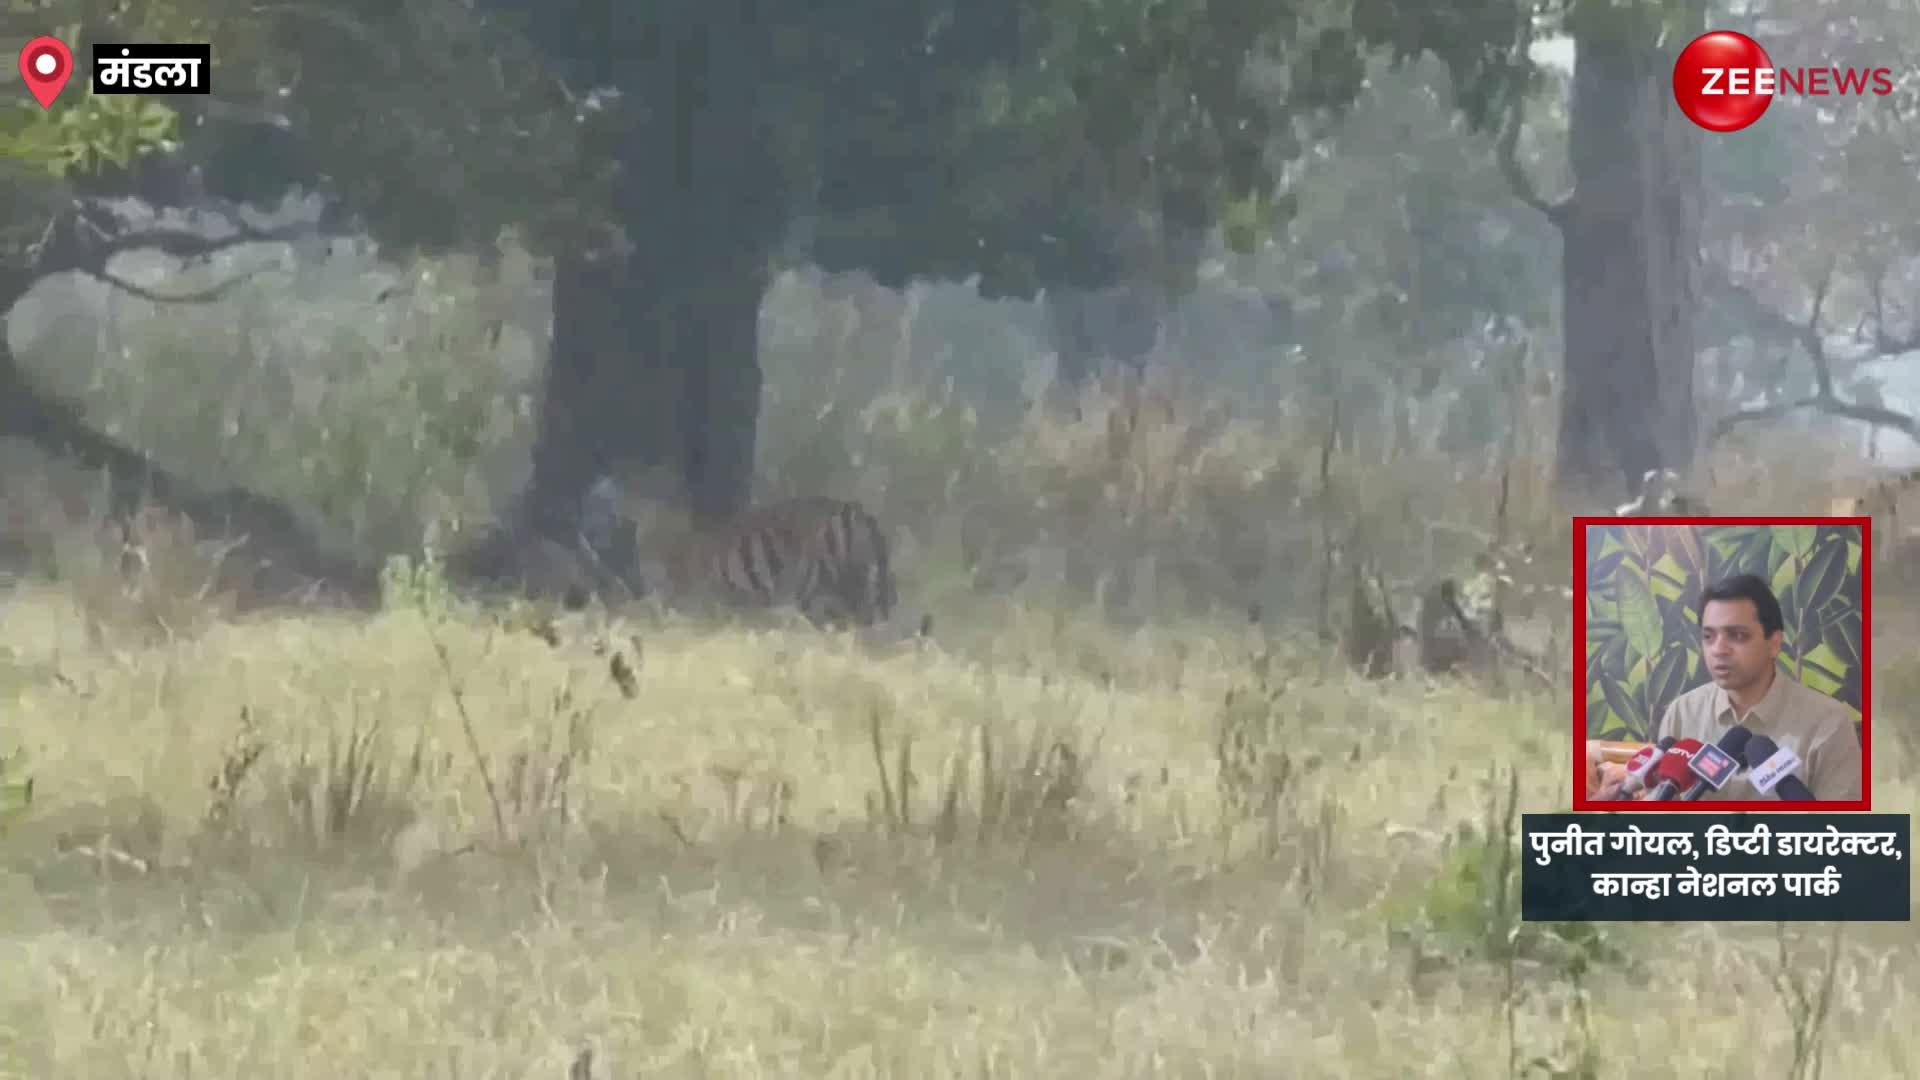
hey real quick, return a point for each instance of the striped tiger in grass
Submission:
(828, 558)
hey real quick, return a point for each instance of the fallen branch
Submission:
(199, 296)
(274, 532)
(82, 237)
(85, 239)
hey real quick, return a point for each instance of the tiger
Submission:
(827, 557)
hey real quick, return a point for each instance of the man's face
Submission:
(1738, 655)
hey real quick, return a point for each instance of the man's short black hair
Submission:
(1746, 587)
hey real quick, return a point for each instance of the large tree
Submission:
(1796, 263)
(1629, 225)
(416, 123)
(665, 154)
(925, 137)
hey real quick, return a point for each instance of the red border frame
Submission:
(1582, 804)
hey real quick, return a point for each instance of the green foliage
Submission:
(1471, 905)
(1476, 39)
(1407, 245)
(1024, 143)
(84, 133)
(934, 138)
(422, 585)
(102, 132)
(439, 129)
(1248, 220)
(1643, 592)
(374, 419)
(1470, 911)
(1777, 220)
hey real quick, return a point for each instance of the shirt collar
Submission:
(1762, 715)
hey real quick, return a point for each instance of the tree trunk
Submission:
(1093, 328)
(289, 558)
(647, 371)
(655, 357)
(610, 399)
(1631, 236)
(1073, 341)
(718, 337)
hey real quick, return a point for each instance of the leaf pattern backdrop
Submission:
(1643, 624)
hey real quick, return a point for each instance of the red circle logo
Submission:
(1723, 80)
(47, 63)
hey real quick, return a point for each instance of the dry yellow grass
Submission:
(701, 879)
(278, 847)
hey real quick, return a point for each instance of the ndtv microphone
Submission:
(1715, 764)
(1642, 767)
(1672, 772)
(1769, 768)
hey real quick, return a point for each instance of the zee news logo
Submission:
(158, 70)
(1723, 81)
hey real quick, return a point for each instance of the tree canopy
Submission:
(1058, 143)
(925, 137)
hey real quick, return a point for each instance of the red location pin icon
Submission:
(45, 65)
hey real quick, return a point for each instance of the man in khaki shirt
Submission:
(1740, 635)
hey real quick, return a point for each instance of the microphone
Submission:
(1672, 771)
(1770, 768)
(1642, 766)
(1639, 764)
(1715, 764)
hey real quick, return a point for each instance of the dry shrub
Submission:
(984, 793)
(1155, 494)
(148, 574)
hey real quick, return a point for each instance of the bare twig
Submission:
(466, 725)
(85, 239)
(1808, 1006)
(1810, 335)
(198, 296)
(1327, 448)
(1824, 398)
(93, 228)
(606, 572)
(1884, 343)
(1507, 152)
(1506, 149)
(1826, 403)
